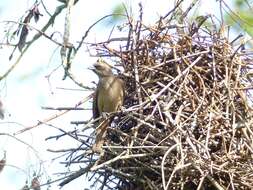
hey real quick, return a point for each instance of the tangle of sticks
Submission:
(187, 117)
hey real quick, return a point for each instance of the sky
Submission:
(26, 89)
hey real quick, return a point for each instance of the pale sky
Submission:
(26, 88)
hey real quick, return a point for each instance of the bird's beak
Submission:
(92, 68)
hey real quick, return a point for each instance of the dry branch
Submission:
(187, 119)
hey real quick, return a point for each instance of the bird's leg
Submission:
(122, 109)
(105, 115)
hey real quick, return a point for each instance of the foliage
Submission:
(241, 17)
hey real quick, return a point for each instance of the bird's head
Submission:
(101, 68)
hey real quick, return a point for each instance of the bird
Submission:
(108, 97)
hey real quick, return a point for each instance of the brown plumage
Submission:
(109, 97)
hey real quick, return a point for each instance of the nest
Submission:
(187, 120)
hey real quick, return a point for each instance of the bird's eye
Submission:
(98, 67)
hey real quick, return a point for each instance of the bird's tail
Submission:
(100, 136)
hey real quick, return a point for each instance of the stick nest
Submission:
(187, 120)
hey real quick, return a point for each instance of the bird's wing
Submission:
(95, 105)
(123, 89)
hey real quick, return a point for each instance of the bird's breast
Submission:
(110, 94)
